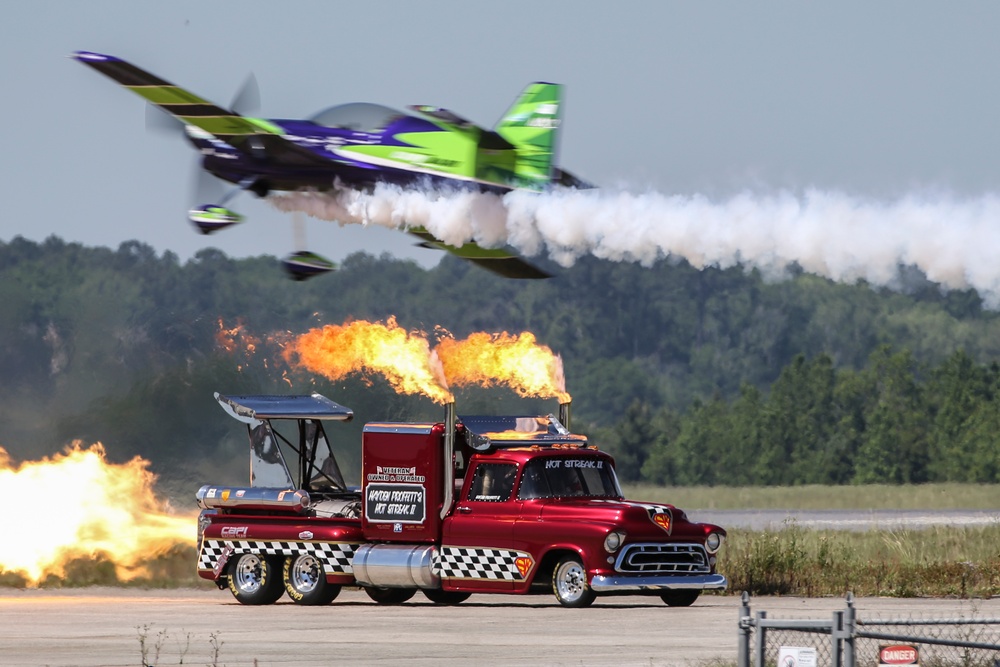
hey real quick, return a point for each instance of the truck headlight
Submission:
(614, 540)
(713, 542)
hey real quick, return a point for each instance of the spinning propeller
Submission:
(301, 264)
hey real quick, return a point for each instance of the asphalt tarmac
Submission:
(110, 627)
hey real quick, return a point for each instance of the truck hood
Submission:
(640, 520)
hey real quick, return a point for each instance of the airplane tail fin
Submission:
(531, 125)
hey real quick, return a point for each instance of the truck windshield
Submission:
(570, 477)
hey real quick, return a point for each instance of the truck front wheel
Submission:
(306, 582)
(390, 595)
(569, 583)
(680, 598)
(254, 579)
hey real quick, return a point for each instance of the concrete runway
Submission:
(101, 626)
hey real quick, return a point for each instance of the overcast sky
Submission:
(874, 99)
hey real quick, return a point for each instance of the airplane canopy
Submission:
(359, 116)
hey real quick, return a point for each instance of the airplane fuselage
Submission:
(405, 151)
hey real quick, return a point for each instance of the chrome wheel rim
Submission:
(305, 573)
(571, 581)
(249, 573)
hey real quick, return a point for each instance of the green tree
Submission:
(635, 438)
(893, 448)
(961, 394)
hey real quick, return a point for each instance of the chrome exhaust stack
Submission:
(449, 458)
(564, 414)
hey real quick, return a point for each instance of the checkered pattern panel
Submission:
(479, 563)
(336, 558)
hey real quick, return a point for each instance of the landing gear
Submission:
(212, 217)
(303, 265)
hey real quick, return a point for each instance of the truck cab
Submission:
(547, 504)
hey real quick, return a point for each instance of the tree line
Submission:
(895, 421)
(713, 376)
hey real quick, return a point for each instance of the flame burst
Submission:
(403, 358)
(240, 342)
(226, 337)
(77, 505)
(519, 362)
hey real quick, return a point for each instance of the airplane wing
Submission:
(252, 136)
(497, 260)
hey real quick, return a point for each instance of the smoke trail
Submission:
(954, 242)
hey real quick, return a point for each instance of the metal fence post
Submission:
(849, 616)
(837, 639)
(761, 643)
(743, 647)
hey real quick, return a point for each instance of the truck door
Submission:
(478, 551)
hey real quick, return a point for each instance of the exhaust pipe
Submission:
(564, 414)
(449, 457)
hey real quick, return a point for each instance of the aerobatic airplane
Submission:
(357, 146)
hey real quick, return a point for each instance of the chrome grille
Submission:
(663, 559)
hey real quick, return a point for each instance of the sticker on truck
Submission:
(395, 503)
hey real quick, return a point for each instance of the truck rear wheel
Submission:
(438, 596)
(254, 579)
(390, 595)
(306, 582)
(684, 598)
(569, 583)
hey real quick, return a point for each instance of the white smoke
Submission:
(954, 242)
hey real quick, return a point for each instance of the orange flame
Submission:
(240, 341)
(518, 362)
(226, 337)
(403, 358)
(78, 505)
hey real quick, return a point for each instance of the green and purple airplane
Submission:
(359, 145)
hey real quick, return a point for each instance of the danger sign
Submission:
(897, 654)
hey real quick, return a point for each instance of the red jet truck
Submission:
(471, 504)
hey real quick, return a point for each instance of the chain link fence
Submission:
(848, 640)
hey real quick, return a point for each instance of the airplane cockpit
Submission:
(357, 116)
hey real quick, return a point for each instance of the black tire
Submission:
(305, 581)
(569, 584)
(682, 598)
(255, 579)
(438, 596)
(390, 595)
